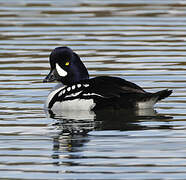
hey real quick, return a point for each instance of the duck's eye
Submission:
(67, 63)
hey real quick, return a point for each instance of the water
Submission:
(141, 41)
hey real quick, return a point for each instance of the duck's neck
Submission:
(79, 71)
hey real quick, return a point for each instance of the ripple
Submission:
(141, 41)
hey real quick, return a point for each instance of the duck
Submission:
(76, 91)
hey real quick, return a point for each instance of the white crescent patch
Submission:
(60, 71)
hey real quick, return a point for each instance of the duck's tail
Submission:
(150, 100)
(162, 94)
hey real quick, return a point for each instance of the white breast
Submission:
(75, 104)
(80, 104)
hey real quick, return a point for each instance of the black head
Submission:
(66, 67)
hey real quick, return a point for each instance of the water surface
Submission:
(141, 41)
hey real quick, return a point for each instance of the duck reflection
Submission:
(81, 122)
(74, 126)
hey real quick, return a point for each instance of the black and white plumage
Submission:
(80, 92)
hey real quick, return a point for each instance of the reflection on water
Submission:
(76, 122)
(92, 144)
(82, 122)
(141, 41)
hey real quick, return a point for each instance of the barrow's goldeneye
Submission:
(77, 91)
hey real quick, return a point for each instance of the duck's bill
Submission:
(50, 77)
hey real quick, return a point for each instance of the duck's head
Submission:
(66, 67)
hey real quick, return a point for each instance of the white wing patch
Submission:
(73, 87)
(74, 94)
(93, 94)
(86, 103)
(78, 85)
(60, 71)
(60, 94)
(69, 89)
(86, 85)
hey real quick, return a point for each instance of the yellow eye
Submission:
(67, 63)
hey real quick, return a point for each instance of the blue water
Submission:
(141, 41)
